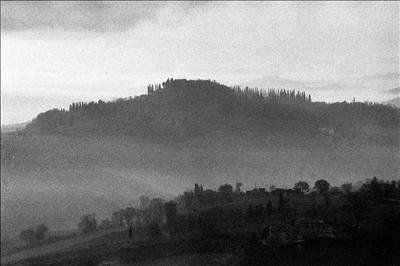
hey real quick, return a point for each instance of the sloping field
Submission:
(61, 246)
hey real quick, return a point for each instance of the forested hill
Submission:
(182, 109)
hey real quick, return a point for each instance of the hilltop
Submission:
(184, 109)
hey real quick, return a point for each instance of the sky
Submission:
(54, 53)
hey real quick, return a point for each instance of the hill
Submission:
(183, 109)
(99, 156)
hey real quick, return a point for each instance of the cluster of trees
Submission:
(88, 223)
(34, 234)
(151, 213)
(359, 198)
(152, 88)
(203, 208)
(225, 193)
(301, 186)
(170, 82)
(271, 95)
(124, 217)
(86, 105)
(379, 190)
(371, 193)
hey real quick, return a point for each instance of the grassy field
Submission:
(61, 246)
(114, 248)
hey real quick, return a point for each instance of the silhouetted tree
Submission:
(156, 210)
(129, 214)
(197, 190)
(347, 188)
(88, 223)
(360, 204)
(375, 189)
(187, 200)
(226, 192)
(171, 213)
(269, 208)
(328, 201)
(130, 233)
(40, 232)
(225, 189)
(281, 203)
(322, 186)
(237, 188)
(150, 89)
(117, 218)
(105, 224)
(301, 186)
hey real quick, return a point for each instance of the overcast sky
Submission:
(53, 53)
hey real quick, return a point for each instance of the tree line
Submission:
(271, 95)
(196, 207)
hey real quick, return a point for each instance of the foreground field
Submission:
(114, 248)
(60, 246)
(211, 259)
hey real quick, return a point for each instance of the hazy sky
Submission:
(53, 53)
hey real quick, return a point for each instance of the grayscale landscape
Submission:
(200, 133)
